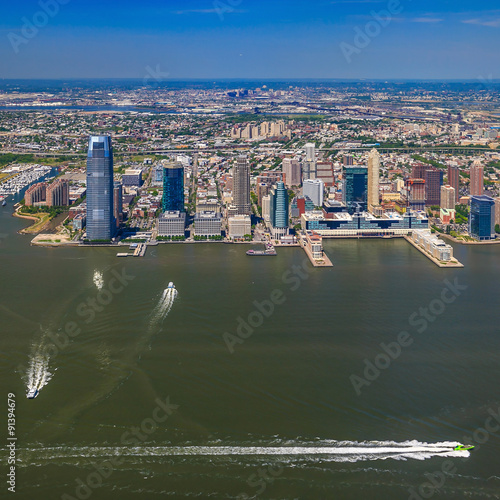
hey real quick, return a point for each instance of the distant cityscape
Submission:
(255, 178)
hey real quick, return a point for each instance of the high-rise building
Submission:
(416, 194)
(291, 171)
(100, 221)
(58, 193)
(309, 165)
(454, 180)
(173, 188)
(157, 175)
(482, 218)
(37, 193)
(278, 208)
(314, 189)
(355, 188)
(118, 202)
(241, 186)
(373, 179)
(476, 179)
(447, 198)
(433, 182)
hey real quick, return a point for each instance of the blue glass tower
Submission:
(278, 206)
(101, 223)
(356, 188)
(173, 188)
(482, 218)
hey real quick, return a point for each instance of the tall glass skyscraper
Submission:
(101, 223)
(278, 205)
(173, 188)
(482, 218)
(356, 188)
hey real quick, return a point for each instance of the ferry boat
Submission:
(32, 394)
(254, 253)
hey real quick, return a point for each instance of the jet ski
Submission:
(463, 447)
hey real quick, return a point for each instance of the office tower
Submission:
(58, 193)
(355, 188)
(482, 218)
(447, 198)
(173, 188)
(373, 179)
(433, 182)
(278, 210)
(314, 189)
(291, 171)
(476, 179)
(118, 202)
(309, 165)
(454, 180)
(100, 221)
(241, 186)
(416, 194)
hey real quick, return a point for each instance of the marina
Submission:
(21, 178)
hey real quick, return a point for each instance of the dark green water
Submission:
(287, 385)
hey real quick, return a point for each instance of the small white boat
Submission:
(32, 394)
(171, 285)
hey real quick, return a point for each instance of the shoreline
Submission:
(455, 240)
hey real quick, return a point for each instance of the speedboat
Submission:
(32, 394)
(463, 447)
(170, 285)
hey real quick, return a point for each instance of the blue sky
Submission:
(251, 39)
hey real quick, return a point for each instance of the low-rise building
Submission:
(172, 223)
(239, 226)
(207, 223)
(432, 245)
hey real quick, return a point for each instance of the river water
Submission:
(149, 393)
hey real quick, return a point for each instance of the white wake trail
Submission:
(163, 307)
(38, 375)
(344, 451)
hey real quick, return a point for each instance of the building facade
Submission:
(207, 223)
(278, 205)
(173, 188)
(239, 226)
(241, 186)
(172, 223)
(454, 180)
(314, 189)
(448, 197)
(58, 193)
(355, 189)
(100, 221)
(291, 171)
(373, 179)
(476, 179)
(482, 218)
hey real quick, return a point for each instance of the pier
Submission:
(312, 244)
(452, 263)
(139, 251)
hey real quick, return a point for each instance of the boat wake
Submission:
(163, 307)
(324, 451)
(38, 374)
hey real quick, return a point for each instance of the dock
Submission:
(139, 251)
(453, 263)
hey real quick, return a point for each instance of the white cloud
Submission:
(493, 23)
